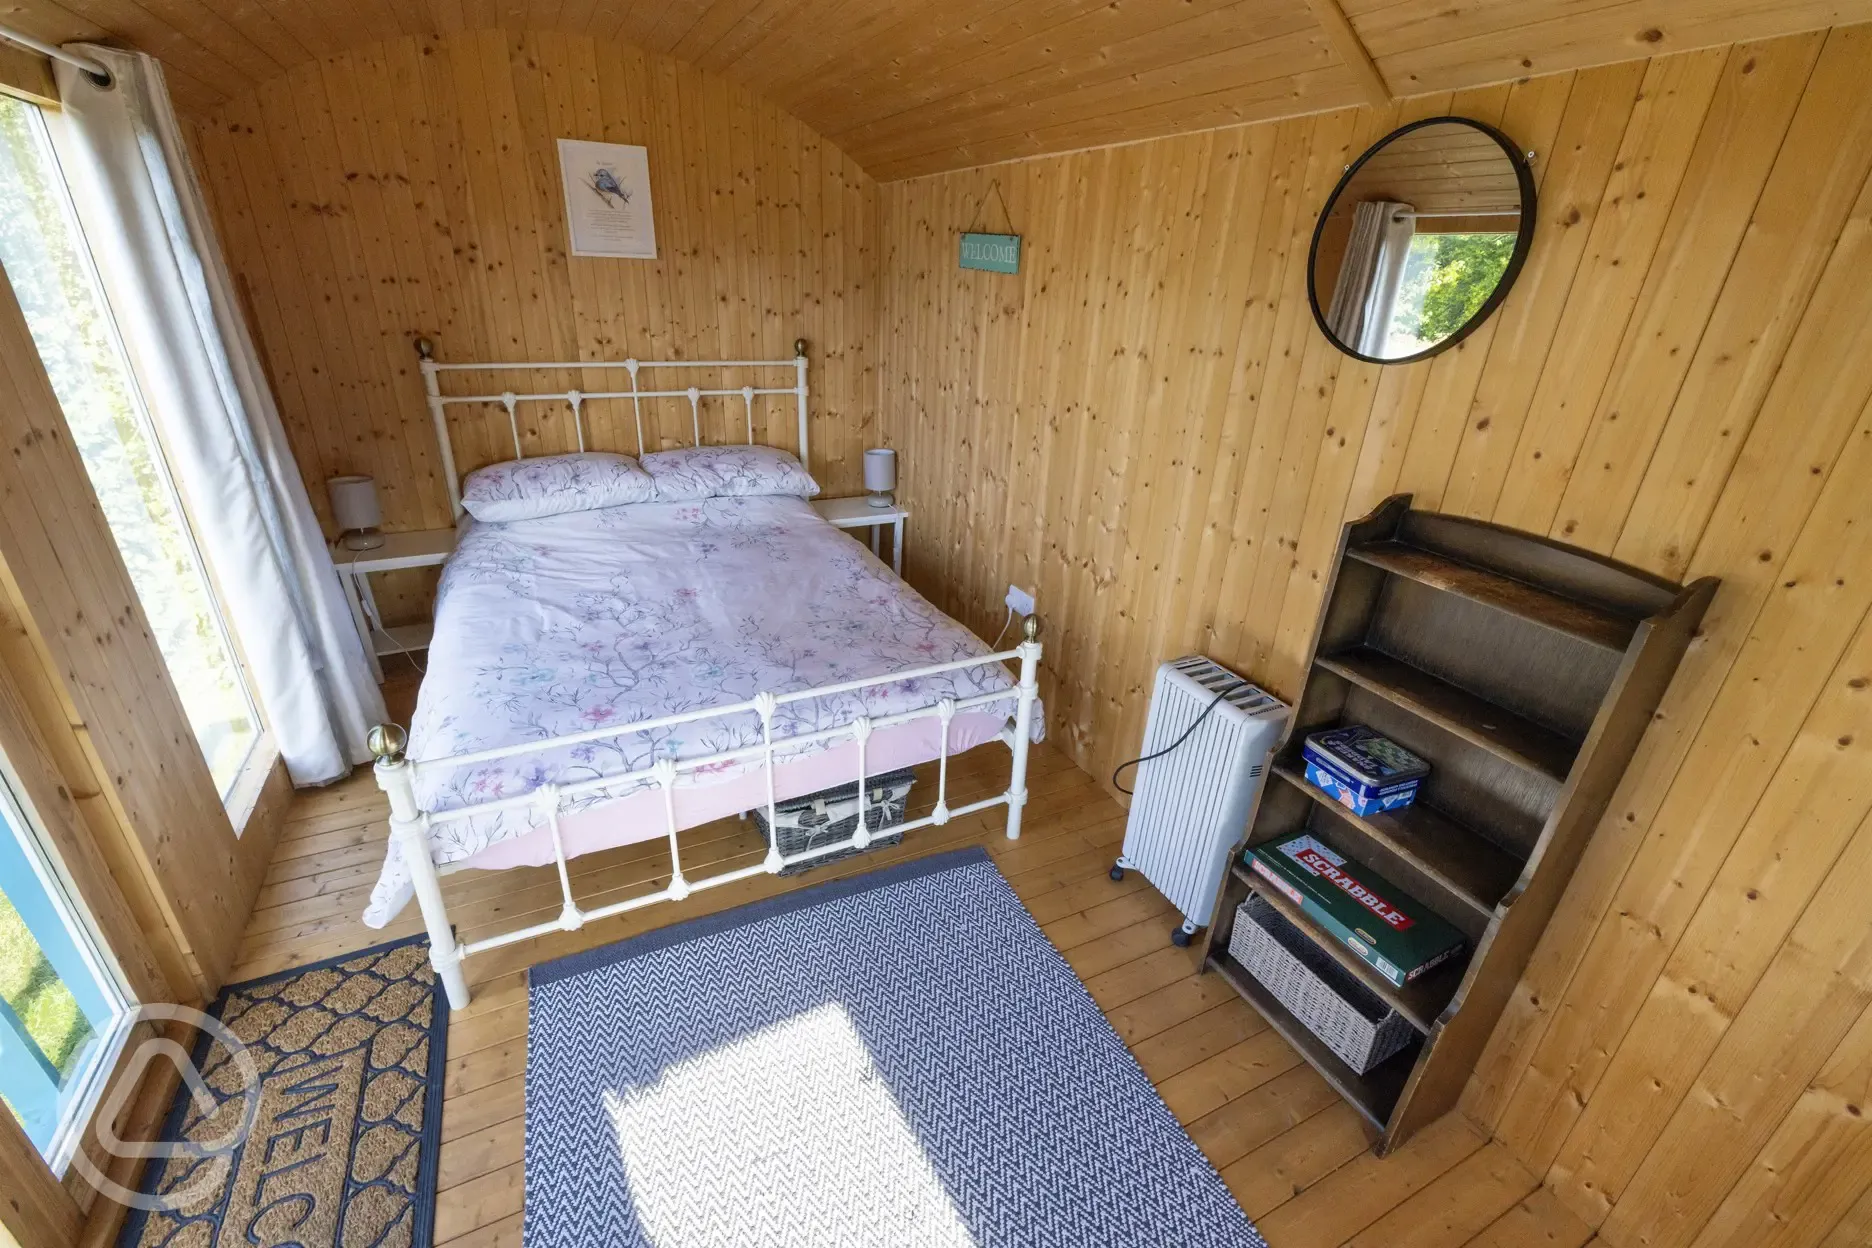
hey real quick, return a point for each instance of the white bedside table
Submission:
(426, 548)
(858, 513)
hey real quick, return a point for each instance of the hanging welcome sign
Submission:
(995, 253)
(991, 253)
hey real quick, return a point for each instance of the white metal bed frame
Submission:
(396, 774)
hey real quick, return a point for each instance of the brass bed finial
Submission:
(387, 742)
(1031, 629)
(799, 347)
(425, 348)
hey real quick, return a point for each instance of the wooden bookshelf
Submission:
(1525, 671)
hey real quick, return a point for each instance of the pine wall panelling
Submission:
(75, 815)
(411, 187)
(34, 1209)
(79, 654)
(1146, 426)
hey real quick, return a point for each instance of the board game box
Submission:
(1391, 931)
(1361, 770)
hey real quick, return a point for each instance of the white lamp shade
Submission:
(354, 502)
(880, 470)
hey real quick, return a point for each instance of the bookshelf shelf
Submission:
(1537, 606)
(1466, 863)
(1501, 732)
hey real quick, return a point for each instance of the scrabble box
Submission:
(1391, 931)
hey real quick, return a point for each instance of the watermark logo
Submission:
(205, 1162)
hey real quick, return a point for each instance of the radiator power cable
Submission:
(1187, 732)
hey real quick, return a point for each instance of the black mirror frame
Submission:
(1524, 178)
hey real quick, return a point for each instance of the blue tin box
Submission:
(1361, 770)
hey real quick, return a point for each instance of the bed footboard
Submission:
(410, 824)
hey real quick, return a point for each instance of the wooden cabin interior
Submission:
(1154, 425)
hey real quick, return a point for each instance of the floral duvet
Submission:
(554, 626)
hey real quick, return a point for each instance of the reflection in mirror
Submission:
(1418, 239)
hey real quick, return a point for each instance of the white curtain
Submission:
(169, 290)
(1369, 275)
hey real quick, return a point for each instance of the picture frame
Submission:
(607, 199)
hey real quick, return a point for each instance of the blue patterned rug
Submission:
(900, 1058)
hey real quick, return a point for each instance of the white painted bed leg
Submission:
(678, 887)
(945, 711)
(765, 705)
(1023, 723)
(409, 826)
(861, 733)
(570, 920)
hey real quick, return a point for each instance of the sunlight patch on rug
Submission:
(792, 1117)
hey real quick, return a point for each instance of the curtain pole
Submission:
(85, 63)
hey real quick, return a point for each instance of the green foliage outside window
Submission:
(1447, 279)
(34, 992)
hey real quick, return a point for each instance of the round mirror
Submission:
(1421, 240)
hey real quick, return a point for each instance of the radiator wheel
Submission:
(1117, 872)
(1180, 938)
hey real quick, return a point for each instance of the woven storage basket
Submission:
(1350, 1018)
(832, 815)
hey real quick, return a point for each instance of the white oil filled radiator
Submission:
(1197, 777)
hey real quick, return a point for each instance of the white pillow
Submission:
(526, 489)
(727, 472)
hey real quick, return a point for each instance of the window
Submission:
(1447, 278)
(64, 1011)
(42, 251)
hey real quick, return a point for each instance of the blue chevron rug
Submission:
(900, 1058)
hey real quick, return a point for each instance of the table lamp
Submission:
(355, 508)
(880, 476)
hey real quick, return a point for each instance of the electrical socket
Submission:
(1019, 601)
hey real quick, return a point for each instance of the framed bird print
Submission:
(607, 194)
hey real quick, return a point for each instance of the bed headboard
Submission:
(637, 395)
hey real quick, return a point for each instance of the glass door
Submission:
(64, 1009)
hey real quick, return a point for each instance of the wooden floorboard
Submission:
(1294, 1155)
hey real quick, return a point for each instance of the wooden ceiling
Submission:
(909, 87)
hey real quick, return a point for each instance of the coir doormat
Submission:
(339, 1143)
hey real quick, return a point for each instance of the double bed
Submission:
(617, 674)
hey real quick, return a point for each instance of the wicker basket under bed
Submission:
(1351, 1019)
(830, 815)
